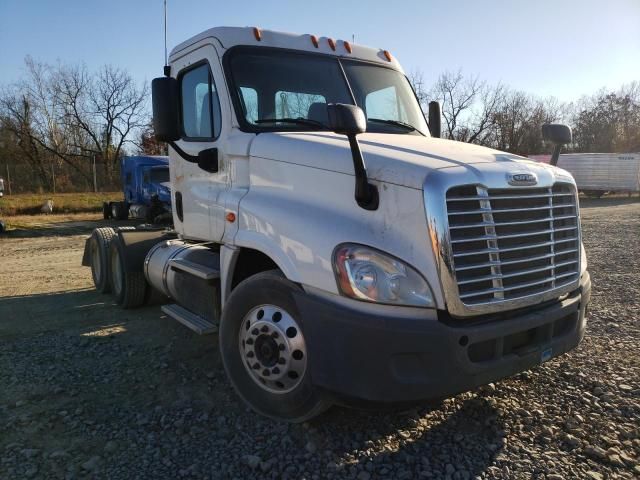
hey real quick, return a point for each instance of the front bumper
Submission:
(385, 359)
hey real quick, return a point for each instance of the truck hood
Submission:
(400, 159)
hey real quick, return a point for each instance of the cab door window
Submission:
(201, 117)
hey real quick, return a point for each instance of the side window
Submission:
(250, 100)
(384, 104)
(201, 117)
(295, 104)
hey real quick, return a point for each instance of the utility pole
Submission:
(95, 176)
(8, 180)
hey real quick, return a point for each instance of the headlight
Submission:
(368, 274)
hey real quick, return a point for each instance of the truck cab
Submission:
(146, 187)
(342, 251)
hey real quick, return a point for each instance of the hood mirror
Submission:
(350, 120)
(559, 135)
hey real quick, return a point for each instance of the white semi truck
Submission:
(342, 252)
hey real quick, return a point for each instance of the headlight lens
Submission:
(367, 274)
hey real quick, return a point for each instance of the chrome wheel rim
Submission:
(273, 349)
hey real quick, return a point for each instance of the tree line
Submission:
(507, 119)
(64, 128)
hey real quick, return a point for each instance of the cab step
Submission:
(195, 269)
(189, 319)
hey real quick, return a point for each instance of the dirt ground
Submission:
(90, 390)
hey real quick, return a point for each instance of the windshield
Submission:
(159, 175)
(279, 90)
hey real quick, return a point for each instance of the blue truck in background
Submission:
(147, 190)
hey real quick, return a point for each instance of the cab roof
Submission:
(232, 36)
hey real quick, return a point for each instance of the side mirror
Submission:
(346, 119)
(559, 135)
(164, 98)
(556, 133)
(350, 120)
(434, 119)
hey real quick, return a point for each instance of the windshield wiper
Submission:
(395, 123)
(299, 121)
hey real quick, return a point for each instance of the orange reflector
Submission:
(231, 217)
(314, 40)
(257, 33)
(347, 46)
(332, 43)
(387, 55)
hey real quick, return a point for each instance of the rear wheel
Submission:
(120, 210)
(99, 249)
(264, 350)
(129, 287)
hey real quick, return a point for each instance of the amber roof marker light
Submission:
(347, 46)
(387, 55)
(314, 40)
(257, 33)
(332, 43)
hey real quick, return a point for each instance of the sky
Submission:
(560, 48)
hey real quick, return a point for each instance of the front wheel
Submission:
(264, 350)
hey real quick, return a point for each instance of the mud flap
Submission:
(86, 256)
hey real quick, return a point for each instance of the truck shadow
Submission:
(467, 435)
(139, 361)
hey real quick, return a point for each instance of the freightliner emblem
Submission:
(521, 179)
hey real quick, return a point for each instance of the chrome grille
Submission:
(512, 243)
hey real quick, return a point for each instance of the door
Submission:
(198, 74)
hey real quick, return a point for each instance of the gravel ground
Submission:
(90, 391)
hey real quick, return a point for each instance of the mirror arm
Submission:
(183, 154)
(555, 156)
(366, 194)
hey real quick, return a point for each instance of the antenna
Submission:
(167, 68)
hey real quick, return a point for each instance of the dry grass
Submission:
(30, 204)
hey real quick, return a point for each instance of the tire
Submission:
(120, 210)
(99, 254)
(129, 288)
(296, 399)
(106, 210)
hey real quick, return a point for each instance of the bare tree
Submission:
(63, 115)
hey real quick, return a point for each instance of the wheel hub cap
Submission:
(273, 348)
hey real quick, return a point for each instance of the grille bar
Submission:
(513, 235)
(506, 224)
(517, 286)
(507, 197)
(517, 274)
(513, 242)
(525, 247)
(503, 210)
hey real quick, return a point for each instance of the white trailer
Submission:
(343, 252)
(599, 173)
